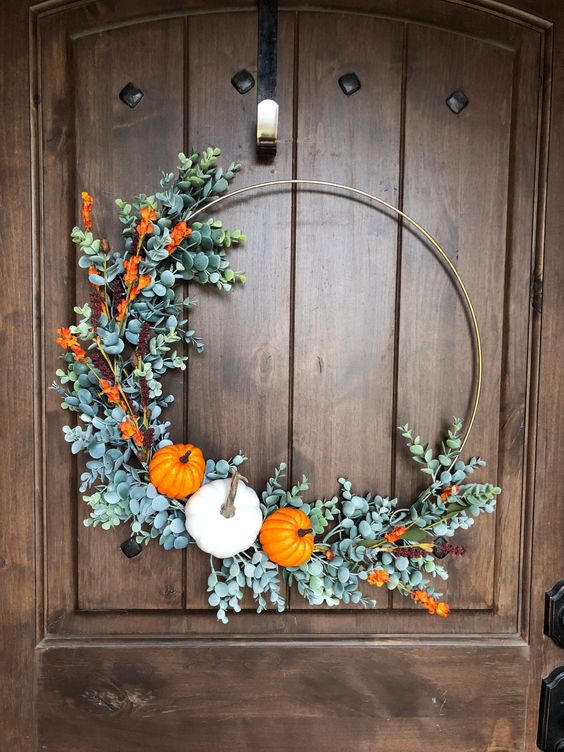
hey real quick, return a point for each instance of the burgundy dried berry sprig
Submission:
(148, 438)
(145, 393)
(144, 337)
(100, 363)
(96, 307)
(410, 553)
(449, 548)
(117, 291)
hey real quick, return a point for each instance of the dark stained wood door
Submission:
(346, 327)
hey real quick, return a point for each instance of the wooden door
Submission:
(347, 327)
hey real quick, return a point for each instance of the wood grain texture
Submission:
(121, 152)
(295, 698)
(346, 253)
(18, 352)
(136, 699)
(55, 201)
(237, 395)
(457, 187)
(343, 393)
(545, 527)
(345, 258)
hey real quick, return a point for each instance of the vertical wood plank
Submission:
(546, 525)
(346, 255)
(121, 153)
(456, 186)
(21, 357)
(238, 388)
(57, 261)
(346, 252)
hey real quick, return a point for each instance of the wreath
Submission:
(115, 357)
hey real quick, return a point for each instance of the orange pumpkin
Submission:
(286, 537)
(177, 470)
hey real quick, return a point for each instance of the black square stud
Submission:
(131, 548)
(457, 101)
(349, 83)
(131, 95)
(243, 81)
(438, 551)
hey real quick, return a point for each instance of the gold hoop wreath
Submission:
(115, 357)
(469, 422)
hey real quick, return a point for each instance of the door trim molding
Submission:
(460, 641)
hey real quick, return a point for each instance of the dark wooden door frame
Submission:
(19, 352)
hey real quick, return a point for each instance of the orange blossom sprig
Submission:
(144, 227)
(113, 392)
(395, 534)
(179, 232)
(378, 577)
(126, 406)
(432, 605)
(68, 341)
(86, 210)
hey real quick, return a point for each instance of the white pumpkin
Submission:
(224, 517)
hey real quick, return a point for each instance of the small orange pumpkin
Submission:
(286, 537)
(177, 470)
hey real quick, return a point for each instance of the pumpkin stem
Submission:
(228, 509)
(185, 457)
(302, 532)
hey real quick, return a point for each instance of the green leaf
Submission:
(415, 535)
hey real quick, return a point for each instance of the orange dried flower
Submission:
(111, 391)
(395, 534)
(442, 610)
(66, 338)
(130, 431)
(86, 210)
(430, 603)
(329, 554)
(121, 309)
(449, 492)
(78, 352)
(420, 596)
(131, 269)
(179, 232)
(378, 577)
(143, 282)
(144, 226)
(68, 341)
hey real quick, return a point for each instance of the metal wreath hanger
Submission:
(267, 61)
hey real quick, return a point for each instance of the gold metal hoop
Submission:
(462, 287)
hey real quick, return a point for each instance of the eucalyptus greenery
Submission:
(351, 530)
(124, 342)
(116, 469)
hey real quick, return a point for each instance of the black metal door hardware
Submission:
(267, 60)
(550, 737)
(349, 83)
(130, 547)
(457, 101)
(131, 95)
(243, 81)
(554, 614)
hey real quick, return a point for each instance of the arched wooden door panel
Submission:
(346, 327)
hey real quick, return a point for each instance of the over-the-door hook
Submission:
(267, 53)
